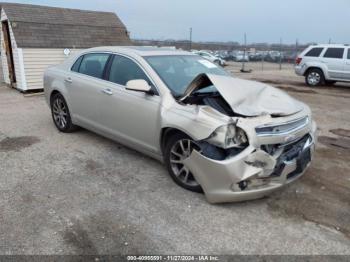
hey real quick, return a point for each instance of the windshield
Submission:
(178, 71)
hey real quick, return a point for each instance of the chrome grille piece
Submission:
(282, 129)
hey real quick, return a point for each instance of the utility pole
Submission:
(190, 38)
(330, 41)
(244, 53)
(281, 53)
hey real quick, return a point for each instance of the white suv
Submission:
(324, 64)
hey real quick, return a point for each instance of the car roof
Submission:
(140, 50)
(329, 45)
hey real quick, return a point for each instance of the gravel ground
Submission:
(83, 194)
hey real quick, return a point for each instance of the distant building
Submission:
(35, 37)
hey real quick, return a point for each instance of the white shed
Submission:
(35, 37)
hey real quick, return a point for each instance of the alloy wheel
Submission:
(181, 150)
(314, 78)
(60, 113)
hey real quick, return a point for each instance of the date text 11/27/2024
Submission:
(173, 258)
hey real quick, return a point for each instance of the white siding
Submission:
(3, 51)
(36, 60)
(5, 70)
(19, 69)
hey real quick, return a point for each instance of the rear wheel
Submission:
(61, 115)
(178, 148)
(314, 77)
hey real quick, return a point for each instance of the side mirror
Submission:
(139, 85)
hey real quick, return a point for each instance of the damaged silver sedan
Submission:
(232, 139)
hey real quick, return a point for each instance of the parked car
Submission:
(289, 57)
(324, 64)
(274, 57)
(228, 56)
(215, 59)
(240, 56)
(233, 139)
(256, 56)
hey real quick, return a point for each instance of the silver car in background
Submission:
(233, 139)
(210, 57)
(324, 64)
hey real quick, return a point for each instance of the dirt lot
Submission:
(324, 193)
(83, 194)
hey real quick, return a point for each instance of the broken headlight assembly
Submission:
(228, 136)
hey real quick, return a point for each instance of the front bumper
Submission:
(253, 173)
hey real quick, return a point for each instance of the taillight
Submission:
(298, 60)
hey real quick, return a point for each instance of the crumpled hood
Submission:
(248, 98)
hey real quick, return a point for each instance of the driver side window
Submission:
(124, 69)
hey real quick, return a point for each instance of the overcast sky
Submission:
(226, 20)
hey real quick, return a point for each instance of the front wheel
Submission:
(178, 148)
(61, 115)
(314, 77)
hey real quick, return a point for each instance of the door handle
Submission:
(68, 80)
(107, 91)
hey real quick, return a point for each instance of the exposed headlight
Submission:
(228, 136)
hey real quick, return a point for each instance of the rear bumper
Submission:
(300, 69)
(222, 181)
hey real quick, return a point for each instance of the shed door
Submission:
(8, 48)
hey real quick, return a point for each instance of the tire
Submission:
(173, 155)
(314, 77)
(61, 115)
(330, 83)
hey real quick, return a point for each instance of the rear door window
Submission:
(93, 65)
(334, 53)
(76, 65)
(314, 52)
(348, 53)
